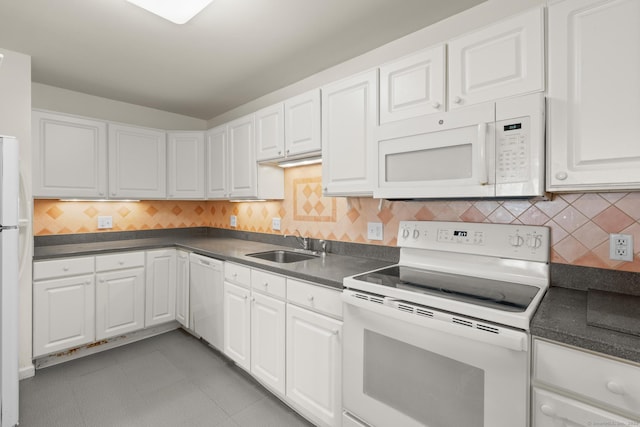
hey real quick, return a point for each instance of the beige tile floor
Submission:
(169, 380)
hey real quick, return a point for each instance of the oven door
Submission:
(443, 155)
(407, 365)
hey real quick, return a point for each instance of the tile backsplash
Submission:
(580, 222)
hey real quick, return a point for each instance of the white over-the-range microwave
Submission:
(494, 149)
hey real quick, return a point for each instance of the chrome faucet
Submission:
(303, 241)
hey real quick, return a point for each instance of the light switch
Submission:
(105, 222)
(374, 230)
(233, 221)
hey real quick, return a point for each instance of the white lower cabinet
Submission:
(160, 291)
(63, 313)
(182, 288)
(577, 388)
(237, 318)
(314, 365)
(119, 294)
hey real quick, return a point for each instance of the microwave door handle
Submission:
(481, 165)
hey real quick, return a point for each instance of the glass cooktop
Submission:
(505, 296)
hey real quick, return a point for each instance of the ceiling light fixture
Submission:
(176, 11)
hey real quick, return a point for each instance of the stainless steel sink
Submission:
(282, 256)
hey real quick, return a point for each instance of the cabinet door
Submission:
(501, 60)
(137, 163)
(348, 136)
(552, 410)
(237, 315)
(242, 157)
(63, 314)
(186, 165)
(314, 365)
(413, 86)
(160, 292)
(69, 156)
(119, 302)
(594, 82)
(270, 133)
(182, 288)
(268, 341)
(302, 124)
(217, 165)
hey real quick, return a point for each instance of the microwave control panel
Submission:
(512, 150)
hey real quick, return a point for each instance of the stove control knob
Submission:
(516, 240)
(535, 241)
(416, 234)
(405, 233)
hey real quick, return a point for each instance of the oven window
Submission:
(430, 388)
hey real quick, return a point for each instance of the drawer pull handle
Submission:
(65, 268)
(548, 410)
(266, 284)
(615, 388)
(310, 298)
(121, 262)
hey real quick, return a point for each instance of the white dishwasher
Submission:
(206, 299)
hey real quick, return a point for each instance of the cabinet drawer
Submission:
(605, 380)
(119, 261)
(268, 283)
(315, 297)
(238, 274)
(551, 410)
(62, 267)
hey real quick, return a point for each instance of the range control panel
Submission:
(527, 242)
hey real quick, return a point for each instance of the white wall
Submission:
(15, 120)
(477, 17)
(67, 101)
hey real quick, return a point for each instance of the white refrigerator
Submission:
(9, 178)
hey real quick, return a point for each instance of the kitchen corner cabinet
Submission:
(119, 294)
(160, 288)
(577, 388)
(349, 120)
(69, 156)
(182, 288)
(413, 86)
(501, 60)
(593, 102)
(185, 161)
(63, 304)
(137, 163)
(232, 169)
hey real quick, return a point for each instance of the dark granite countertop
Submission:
(562, 315)
(327, 270)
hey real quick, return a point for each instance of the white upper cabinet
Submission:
(137, 163)
(217, 178)
(185, 161)
(302, 124)
(349, 123)
(413, 86)
(242, 156)
(70, 156)
(593, 103)
(501, 60)
(270, 132)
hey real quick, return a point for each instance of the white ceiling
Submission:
(233, 52)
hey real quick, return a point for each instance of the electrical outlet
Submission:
(233, 221)
(105, 222)
(621, 247)
(275, 224)
(374, 230)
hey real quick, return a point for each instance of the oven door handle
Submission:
(443, 322)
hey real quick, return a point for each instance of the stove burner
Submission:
(495, 294)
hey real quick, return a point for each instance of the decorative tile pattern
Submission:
(580, 222)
